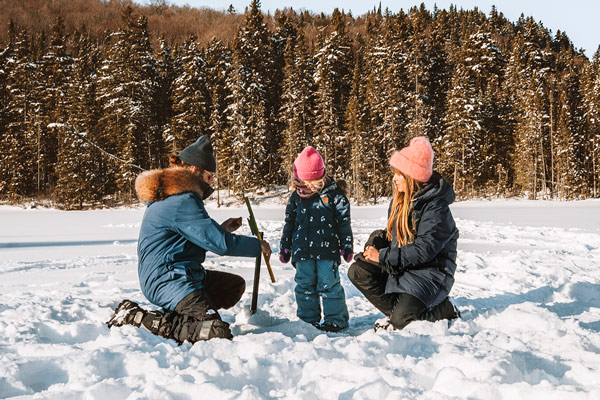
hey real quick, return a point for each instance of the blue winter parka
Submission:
(425, 268)
(176, 233)
(318, 227)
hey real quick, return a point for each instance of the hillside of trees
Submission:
(92, 92)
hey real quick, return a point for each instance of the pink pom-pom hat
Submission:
(309, 165)
(416, 160)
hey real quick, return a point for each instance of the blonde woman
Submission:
(407, 270)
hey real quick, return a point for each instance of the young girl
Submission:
(408, 277)
(316, 233)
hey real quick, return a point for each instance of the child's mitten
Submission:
(284, 256)
(347, 254)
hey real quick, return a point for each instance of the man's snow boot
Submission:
(127, 313)
(205, 330)
(181, 328)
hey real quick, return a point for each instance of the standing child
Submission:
(316, 233)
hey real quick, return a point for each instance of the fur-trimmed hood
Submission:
(158, 184)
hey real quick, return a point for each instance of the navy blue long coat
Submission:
(425, 268)
(318, 227)
(176, 233)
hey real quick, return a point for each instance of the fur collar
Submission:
(158, 184)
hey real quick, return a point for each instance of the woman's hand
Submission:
(232, 224)
(371, 254)
(266, 248)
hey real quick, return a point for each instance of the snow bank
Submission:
(527, 283)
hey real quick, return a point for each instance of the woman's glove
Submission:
(284, 256)
(378, 239)
(347, 254)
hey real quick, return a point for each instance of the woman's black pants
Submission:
(400, 308)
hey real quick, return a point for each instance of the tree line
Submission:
(510, 108)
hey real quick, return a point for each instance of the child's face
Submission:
(315, 185)
(400, 182)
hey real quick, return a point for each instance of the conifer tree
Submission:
(384, 79)
(362, 148)
(19, 148)
(592, 120)
(285, 36)
(190, 100)
(462, 128)
(126, 88)
(248, 106)
(4, 98)
(419, 73)
(569, 144)
(529, 74)
(80, 165)
(55, 81)
(474, 132)
(297, 102)
(333, 75)
(167, 73)
(218, 68)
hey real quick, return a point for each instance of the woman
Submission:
(407, 270)
(175, 234)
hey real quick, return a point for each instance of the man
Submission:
(175, 234)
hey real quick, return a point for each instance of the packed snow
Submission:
(528, 286)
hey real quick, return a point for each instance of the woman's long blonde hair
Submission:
(400, 213)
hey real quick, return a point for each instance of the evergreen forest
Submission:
(90, 99)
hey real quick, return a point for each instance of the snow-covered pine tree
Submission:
(4, 98)
(218, 68)
(19, 145)
(356, 130)
(382, 80)
(569, 140)
(418, 69)
(190, 98)
(592, 107)
(459, 146)
(490, 64)
(440, 69)
(55, 81)
(529, 71)
(167, 73)
(80, 166)
(296, 112)
(249, 102)
(334, 63)
(395, 87)
(285, 35)
(126, 90)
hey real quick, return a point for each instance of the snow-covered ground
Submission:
(528, 285)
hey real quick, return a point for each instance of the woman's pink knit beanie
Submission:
(309, 165)
(416, 160)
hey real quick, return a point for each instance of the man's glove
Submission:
(347, 254)
(284, 256)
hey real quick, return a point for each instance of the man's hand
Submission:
(232, 224)
(371, 254)
(266, 249)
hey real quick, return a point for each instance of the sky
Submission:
(578, 18)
